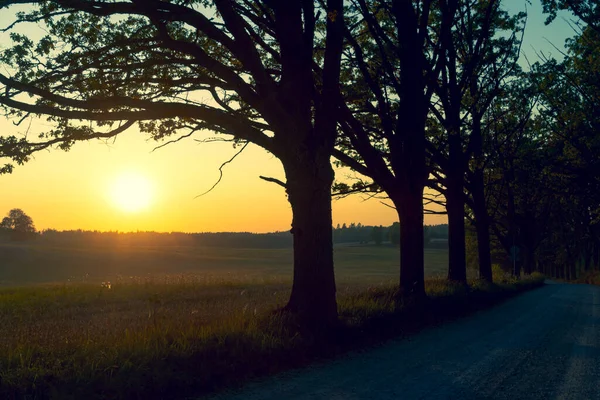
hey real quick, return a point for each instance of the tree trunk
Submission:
(528, 260)
(455, 206)
(412, 259)
(573, 266)
(309, 193)
(482, 226)
(588, 258)
(517, 268)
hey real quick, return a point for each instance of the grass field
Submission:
(29, 263)
(175, 336)
(187, 321)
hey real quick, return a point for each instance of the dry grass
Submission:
(178, 335)
(590, 277)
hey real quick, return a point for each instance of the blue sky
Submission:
(538, 36)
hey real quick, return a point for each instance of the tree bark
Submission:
(517, 268)
(455, 206)
(529, 260)
(482, 227)
(309, 181)
(410, 212)
(588, 257)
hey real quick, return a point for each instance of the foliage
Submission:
(18, 221)
(18, 225)
(258, 72)
(564, 145)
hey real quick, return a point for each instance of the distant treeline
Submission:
(435, 236)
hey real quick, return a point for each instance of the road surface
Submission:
(544, 344)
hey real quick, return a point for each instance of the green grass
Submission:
(177, 335)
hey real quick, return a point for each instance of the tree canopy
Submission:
(409, 94)
(18, 224)
(261, 72)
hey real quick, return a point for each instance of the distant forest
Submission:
(435, 236)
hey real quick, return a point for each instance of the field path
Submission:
(544, 344)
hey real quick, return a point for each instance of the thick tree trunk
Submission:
(529, 260)
(457, 259)
(412, 260)
(482, 226)
(517, 269)
(573, 266)
(588, 258)
(455, 206)
(309, 193)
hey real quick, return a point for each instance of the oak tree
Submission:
(244, 68)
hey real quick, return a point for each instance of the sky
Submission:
(124, 185)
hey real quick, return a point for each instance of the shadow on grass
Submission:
(254, 348)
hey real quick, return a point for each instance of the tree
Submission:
(106, 66)
(18, 223)
(587, 11)
(481, 44)
(569, 121)
(394, 233)
(391, 57)
(377, 235)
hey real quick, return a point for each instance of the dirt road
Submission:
(544, 344)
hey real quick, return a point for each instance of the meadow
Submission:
(178, 322)
(35, 263)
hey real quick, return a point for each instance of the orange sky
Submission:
(73, 190)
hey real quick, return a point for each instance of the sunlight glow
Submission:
(132, 192)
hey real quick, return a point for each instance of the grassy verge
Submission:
(590, 277)
(183, 336)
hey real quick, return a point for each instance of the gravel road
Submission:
(544, 344)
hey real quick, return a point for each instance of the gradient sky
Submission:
(73, 190)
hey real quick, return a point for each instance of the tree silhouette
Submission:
(18, 223)
(106, 66)
(481, 44)
(377, 235)
(393, 55)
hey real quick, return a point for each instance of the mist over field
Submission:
(93, 257)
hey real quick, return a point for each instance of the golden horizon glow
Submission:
(132, 192)
(71, 190)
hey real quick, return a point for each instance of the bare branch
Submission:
(174, 140)
(273, 180)
(221, 170)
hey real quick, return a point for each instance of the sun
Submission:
(132, 192)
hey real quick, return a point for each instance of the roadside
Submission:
(167, 340)
(543, 344)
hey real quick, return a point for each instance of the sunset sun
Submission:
(131, 192)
